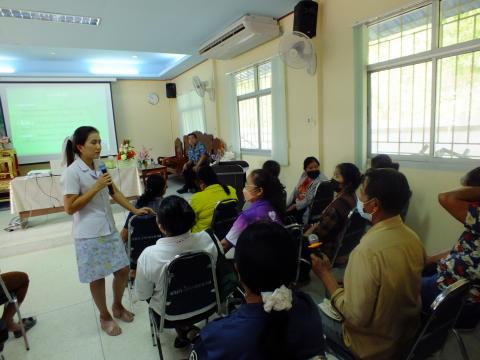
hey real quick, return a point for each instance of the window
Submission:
(254, 98)
(424, 82)
(191, 113)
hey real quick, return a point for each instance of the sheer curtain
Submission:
(233, 119)
(279, 113)
(191, 112)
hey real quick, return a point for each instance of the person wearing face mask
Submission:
(380, 300)
(211, 192)
(304, 192)
(175, 218)
(345, 181)
(264, 192)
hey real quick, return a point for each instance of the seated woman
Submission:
(211, 192)
(151, 198)
(275, 322)
(345, 182)
(463, 260)
(264, 192)
(383, 161)
(304, 193)
(16, 282)
(175, 218)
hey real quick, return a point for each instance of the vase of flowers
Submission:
(126, 154)
(144, 157)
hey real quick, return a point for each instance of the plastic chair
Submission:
(143, 231)
(6, 296)
(444, 313)
(323, 197)
(233, 175)
(190, 288)
(224, 215)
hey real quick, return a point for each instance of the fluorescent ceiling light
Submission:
(47, 16)
(7, 70)
(113, 70)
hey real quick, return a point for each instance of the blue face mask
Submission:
(362, 212)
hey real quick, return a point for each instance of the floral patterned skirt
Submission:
(99, 257)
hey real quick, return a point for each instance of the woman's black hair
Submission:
(206, 175)
(472, 178)
(272, 167)
(390, 187)
(175, 215)
(265, 257)
(383, 161)
(155, 188)
(272, 189)
(309, 160)
(351, 176)
(79, 137)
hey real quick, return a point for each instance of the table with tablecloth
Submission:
(40, 195)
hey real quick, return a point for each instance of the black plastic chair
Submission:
(224, 215)
(443, 315)
(234, 175)
(7, 297)
(143, 231)
(323, 197)
(190, 288)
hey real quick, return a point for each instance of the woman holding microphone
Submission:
(99, 249)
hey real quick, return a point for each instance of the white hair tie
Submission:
(278, 300)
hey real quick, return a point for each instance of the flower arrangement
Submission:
(144, 156)
(5, 142)
(126, 151)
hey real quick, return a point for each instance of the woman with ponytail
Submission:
(99, 249)
(275, 322)
(265, 193)
(211, 192)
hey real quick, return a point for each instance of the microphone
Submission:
(103, 169)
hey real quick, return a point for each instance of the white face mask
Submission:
(362, 212)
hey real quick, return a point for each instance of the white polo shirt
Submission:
(152, 264)
(95, 219)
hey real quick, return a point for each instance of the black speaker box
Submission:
(305, 17)
(171, 90)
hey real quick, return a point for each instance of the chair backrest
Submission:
(179, 149)
(205, 139)
(341, 236)
(235, 176)
(354, 230)
(444, 313)
(224, 215)
(191, 285)
(323, 197)
(143, 231)
(296, 233)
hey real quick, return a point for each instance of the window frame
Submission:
(256, 94)
(434, 55)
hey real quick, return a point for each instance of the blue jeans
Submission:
(430, 291)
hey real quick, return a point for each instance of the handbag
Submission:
(227, 278)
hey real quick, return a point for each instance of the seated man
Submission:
(463, 260)
(175, 218)
(380, 302)
(197, 156)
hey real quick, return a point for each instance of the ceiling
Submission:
(135, 39)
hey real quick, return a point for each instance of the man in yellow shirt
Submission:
(204, 202)
(380, 302)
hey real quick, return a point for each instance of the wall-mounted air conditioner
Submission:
(245, 34)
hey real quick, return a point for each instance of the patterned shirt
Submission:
(196, 152)
(464, 259)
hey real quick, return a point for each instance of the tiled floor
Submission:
(68, 326)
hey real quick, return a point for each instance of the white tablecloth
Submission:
(34, 193)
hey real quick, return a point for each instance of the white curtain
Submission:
(191, 113)
(233, 119)
(279, 113)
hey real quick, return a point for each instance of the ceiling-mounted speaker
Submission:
(171, 90)
(305, 17)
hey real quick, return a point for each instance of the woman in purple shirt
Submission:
(264, 192)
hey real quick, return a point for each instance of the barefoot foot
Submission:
(122, 314)
(110, 327)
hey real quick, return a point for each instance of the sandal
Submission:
(28, 323)
(181, 342)
(125, 316)
(190, 335)
(110, 327)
